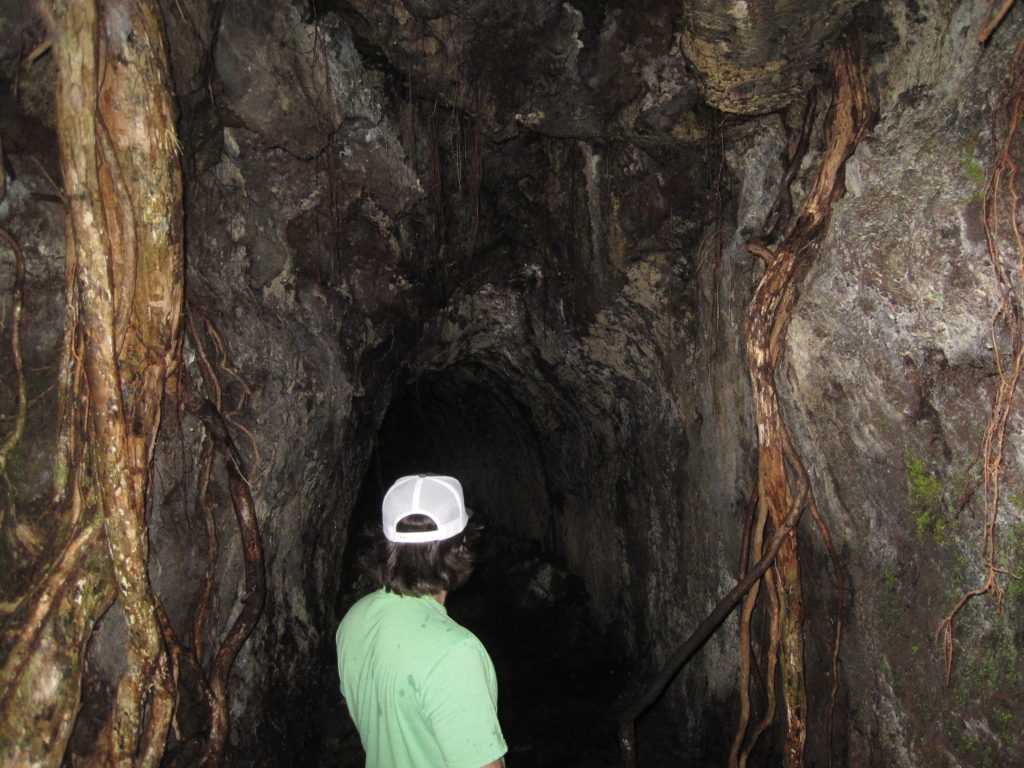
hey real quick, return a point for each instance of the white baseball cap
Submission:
(439, 497)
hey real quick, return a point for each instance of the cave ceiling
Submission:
(645, 71)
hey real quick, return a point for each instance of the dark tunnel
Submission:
(559, 674)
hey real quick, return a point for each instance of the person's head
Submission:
(427, 536)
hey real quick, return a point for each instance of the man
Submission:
(420, 688)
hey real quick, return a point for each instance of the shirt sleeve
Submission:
(460, 699)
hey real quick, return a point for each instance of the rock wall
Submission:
(891, 377)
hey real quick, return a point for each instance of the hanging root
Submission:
(19, 366)
(14, 436)
(1006, 257)
(771, 698)
(780, 469)
(114, 366)
(753, 539)
(784, 489)
(212, 547)
(25, 534)
(983, 35)
(255, 585)
(213, 678)
(655, 688)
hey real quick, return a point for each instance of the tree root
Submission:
(784, 489)
(983, 35)
(36, 719)
(654, 689)
(779, 466)
(19, 366)
(27, 537)
(1002, 201)
(255, 586)
(124, 285)
(21, 411)
(212, 677)
(753, 540)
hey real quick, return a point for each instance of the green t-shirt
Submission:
(420, 687)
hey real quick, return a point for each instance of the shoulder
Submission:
(460, 650)
(367, 609)
(397, 614)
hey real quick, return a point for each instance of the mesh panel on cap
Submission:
(438, 501)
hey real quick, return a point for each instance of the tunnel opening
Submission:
(560, 673)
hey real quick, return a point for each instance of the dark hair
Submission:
(430, 567)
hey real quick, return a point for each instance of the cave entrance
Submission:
(558, 674)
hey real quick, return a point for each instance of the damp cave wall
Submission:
(511, 315)
(373, 197)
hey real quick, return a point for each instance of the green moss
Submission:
(886, 668)
(1016, 589)
(17, 462)
(976, 173)
(60, 474)
(1013, 554)
(961, 695)
(988, 665)
(889, 578)
(892, 616)
(969, 744)
(986, 687)
(924, 499)
(1006, 726)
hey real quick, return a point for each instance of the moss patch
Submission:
(924, 500)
